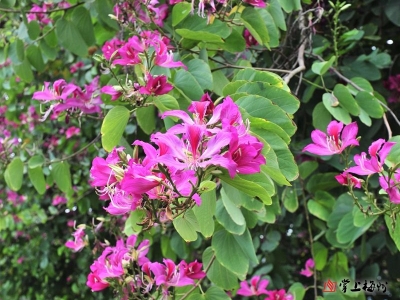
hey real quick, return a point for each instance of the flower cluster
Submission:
(80, 240)
(258, 287)
(186, 155)
(40, 13)
(126, 264)
(339, 138)
(141, 11)
(136, 51)
(70, 97)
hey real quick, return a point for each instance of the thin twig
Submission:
(200, 280)
(300, 55)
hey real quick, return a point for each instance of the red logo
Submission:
(329, 286)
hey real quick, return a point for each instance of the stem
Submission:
(73, 154)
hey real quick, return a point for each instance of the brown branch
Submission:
(300, 55)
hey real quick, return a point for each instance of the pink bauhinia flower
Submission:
(60, 91)
(164, 58)
(378, 152)
(193, 270)
(156, 85)
(78, 243)
(347, 179)
(94, 281)
(278, 295)
(308, 271)
(256, 3)
(110, 48)
(337, 139)
(391, 187)
(169, 274)
(111, 90)
(257, 287)
(71, 131)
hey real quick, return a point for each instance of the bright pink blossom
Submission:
(337, 139)
(257, 287)
(57, 200)
(348, 179)
(110, 90)
(76, 66)
(391, 187)
(279, 295)
(156, 85)
(169, 274)
(256, 3)
(78, 243)
(165, 58)
(308, 271)
(71, 131)
(378, 152)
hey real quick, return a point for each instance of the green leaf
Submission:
(394, 230)
(307, 168)
(330, 102)
(83, 22)
(48, 52)
(254, 23)
(165, 103)
(262, 107)
(297, 290)
(180, 11)
(346, 100)
(186, 82)
(318, 210)
(201, 72)
(146, 119)
(290, 199)
(322, 182)
(234, 211)
(19, 47)
(343, 206)
(13, 174)
(218, 274)
(290, 5)
(186, 225)
(347, 232)
(215, 293)
(285, 100)
(394, 154)
(320, 68)
(220, 81)
(369, 104)
(23, 70)
(226, 221)
(166, 248)
(246, 244)
(37, 178)
(36, 161)
(234, 42)
(273, 31)
(248, 187)
(131, 224)
(274, 8)
(321, 117)
(320, 255)
(70, 37)
(113, 127)
(203, 36)
(62, 176)
(391, 10)
(364, 117)
(205, 213)
(362, 83)
(34, 56)
(50, 36)
(229, 253)
(33, 29)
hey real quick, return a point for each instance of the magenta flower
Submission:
(60, 91)
(249, 38)
(156, 85)
(391, 187)
(71, 131)
(279, 295)
(57, 200)
(336, 141)
(78, 244)
(94, 281)
(166, 59)
(378, 151)
(168, 274)
(256, 3)
(257, 287)
(110, 90)
(193, 270)
(110, 48)
(348, 179)
(308, 271)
